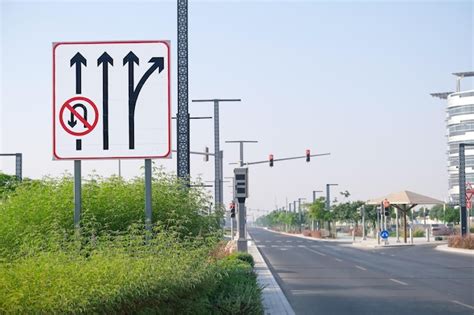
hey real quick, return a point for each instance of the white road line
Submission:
(361, 268)
(301, 246)
(465, 305)
(338, 259)
(314, 251)
(398, 281)
(278, 241)
(260, 246)
(289, 241)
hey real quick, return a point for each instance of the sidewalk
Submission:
(274, 301)
(445, 248)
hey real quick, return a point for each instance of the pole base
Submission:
(242, 245)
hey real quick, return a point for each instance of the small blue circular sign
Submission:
(384, 234)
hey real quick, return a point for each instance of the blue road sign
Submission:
(384, 234)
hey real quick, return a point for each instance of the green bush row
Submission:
(129, 276)
(39, 212)
(112, 265)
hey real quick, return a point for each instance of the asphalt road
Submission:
(321, 277)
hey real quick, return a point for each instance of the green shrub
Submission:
(418, 232)
(39, 213)
(243, 257)
(112, 265)
(237, 292)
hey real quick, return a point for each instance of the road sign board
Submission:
(113, 98)
(384, 234)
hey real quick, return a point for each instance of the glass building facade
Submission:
(460, 129)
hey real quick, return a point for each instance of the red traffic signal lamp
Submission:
(386, 207)
(270, 159)
(232, 209)
(308, 155)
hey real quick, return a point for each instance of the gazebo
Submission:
(405, 201)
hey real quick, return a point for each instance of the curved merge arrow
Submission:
(77, 60)
(105, 60)
(133, 93)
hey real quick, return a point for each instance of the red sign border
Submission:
(167, 154)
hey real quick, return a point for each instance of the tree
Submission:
(451, 215)
(316, 211)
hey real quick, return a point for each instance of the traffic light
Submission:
(206, 155)
(308, 155)
(232, 209)
(270, 158)
(386, 207)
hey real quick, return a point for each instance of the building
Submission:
(460, 129)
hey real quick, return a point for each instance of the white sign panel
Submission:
(111, 100)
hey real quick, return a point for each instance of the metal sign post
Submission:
(148, 210)
(77, 193)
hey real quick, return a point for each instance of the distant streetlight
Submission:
(314, 194)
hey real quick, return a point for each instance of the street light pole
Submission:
(328, 203)
(299, 211)
(218, 176)
(241, 142)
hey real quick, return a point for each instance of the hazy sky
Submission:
(349, 77)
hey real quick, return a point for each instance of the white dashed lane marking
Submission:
(465, 305)
(314, 251)
(398, 281)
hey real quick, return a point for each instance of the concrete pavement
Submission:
(274, 301)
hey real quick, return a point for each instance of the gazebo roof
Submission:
(406, 198)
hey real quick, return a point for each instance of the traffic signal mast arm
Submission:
(286, 159)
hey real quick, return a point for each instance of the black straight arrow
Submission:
(77, 60)
(105, 60)
(131, 58)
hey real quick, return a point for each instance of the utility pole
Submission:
(314, 194)
(241, 142)
(218, 176)
(299, 211)
(328, 202)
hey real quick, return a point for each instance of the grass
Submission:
(112, 265)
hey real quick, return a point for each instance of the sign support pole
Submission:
(77, 193)
(148, 210)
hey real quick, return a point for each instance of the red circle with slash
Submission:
(67, 105)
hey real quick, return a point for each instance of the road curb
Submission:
(445, 248)
(274, 301)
